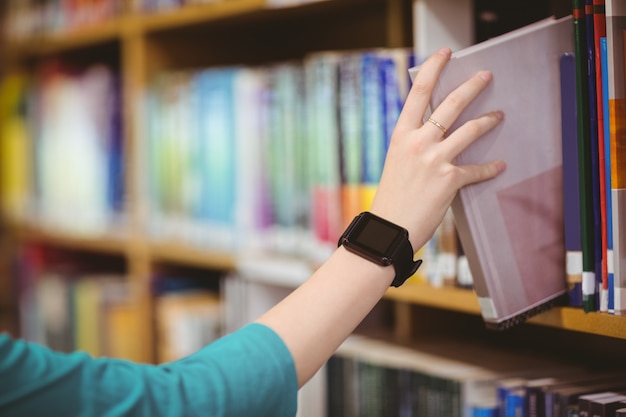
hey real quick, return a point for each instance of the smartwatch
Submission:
(382, 242)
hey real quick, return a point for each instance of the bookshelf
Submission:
(140, 45)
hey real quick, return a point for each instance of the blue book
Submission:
(373, 127)
(217, 135)
(607, 173)
(571, 193)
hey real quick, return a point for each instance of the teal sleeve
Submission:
(247, 373)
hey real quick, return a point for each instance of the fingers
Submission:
(419, 97)
(476, 173)
(452, 106)
(462, 137)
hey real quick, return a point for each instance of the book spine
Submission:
(616, 23)
(571, 191)
(599, 32)
(584, 152)
(350, 110)
(593, 152)
(606, 125)
(373, 133)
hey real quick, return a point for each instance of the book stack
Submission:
(68, 304)
(511, 227)
(552, 223)
(27, 18)
(597, 258)
(284, 155)
(78, 182)
(373, 377)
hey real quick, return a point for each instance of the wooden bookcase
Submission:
(248, 32)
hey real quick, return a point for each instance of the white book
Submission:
(511, 227)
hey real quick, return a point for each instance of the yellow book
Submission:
(87, 322)
(122, 332)
(15, 161)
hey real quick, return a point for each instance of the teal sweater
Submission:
(247, 373)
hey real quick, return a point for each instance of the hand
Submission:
(420, 179)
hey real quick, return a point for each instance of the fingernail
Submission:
(486, 75)
(499, 114)
(444, 51)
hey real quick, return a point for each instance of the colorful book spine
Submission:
(615, 26)
(323, 130)
(373, 128)
(350, 110)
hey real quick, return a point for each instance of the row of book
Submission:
(593, 156)
(62, 150)
(281, 156)
(26, 19)
(71, 305)
(289, 183)
(73, 302)
(162, 5)
(368, 377)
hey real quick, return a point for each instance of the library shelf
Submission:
(105, 243)
(142, 44)
(195, 14)
(184, 254)
(82, 37)
(464, 301)
(450, 298)
(575, 319)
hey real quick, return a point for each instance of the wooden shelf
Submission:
(198, 13)
(449, 298)
(575, 319)
(116, 244)
(191, 256)
(465, 301)
(72, 39)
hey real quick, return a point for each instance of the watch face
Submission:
(375, 235)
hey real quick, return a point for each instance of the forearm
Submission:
(318, 316)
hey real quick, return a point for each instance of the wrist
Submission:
(383, 243)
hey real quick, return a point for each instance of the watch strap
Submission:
(404, 264)
(401, 257)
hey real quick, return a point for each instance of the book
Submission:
(15, 147)
(186, 321)
(587, 229)
(607, 406)
(571, 192)
(606, 123)
(615, 26)
(511, 227)
(76, 125)
(433, 378)
(599, 31)
(351, 133)
(584, 402)
(322, 78)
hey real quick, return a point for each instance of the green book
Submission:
(584, 159)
